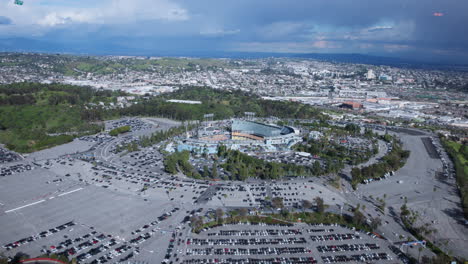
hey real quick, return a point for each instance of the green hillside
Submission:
(37, 116)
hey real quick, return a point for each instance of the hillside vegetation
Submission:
(223, 104)
(38, 116)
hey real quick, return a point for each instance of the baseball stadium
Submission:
(237, 133)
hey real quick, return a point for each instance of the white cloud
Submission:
(105, 12)
(403, 30)
(54, 18)
(219, 32)
(377, 28)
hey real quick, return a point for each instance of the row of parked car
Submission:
(247, 242)
(337, 237)
(84, 241)
(283, 260)
(15, 169)
(370, 257)
(246, 251)
(40, 235)
(268, 232)
(320, 230)
(108, 257)
(8, 156)
(385, 176)
(93, 242)
(347, 247)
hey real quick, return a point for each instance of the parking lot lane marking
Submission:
(21, 207)
(51, 198)
(62, 194)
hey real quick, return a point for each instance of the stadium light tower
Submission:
(249, 115)
(208, 117)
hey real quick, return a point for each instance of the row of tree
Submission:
(159, 136)
(242, 166)
(17, 99)
(223, 104)
(119, 130)
(179, 162)
(459, 155)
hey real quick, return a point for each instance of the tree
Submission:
(219, 215)
(382, 205)
(425, 259)
(353, 128)
(196, 222)
(243, 212)
(317, 169)
(404, 210)
(375, 223)
(358, 218)
(441, 259)
(206, 172)
(214, 171)
(19, 257)
(277, 202)
(356, 176)
(320, 205)
(306, 204)
(464, 148)
(243, 173)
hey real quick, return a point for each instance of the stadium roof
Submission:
(264, 130)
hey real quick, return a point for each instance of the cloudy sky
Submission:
(431, 30)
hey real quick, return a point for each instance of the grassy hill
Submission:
(37, 116)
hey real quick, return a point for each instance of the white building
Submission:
(370, 75)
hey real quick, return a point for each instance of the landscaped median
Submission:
(357, 221)
(119, 130)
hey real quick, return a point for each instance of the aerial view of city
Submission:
(249, 131)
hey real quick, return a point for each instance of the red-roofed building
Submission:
(352, 105)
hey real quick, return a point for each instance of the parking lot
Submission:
(255, 194)
(8, 156)
(428, 186)
(86, 222)
(286, 243)
(82, 200)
